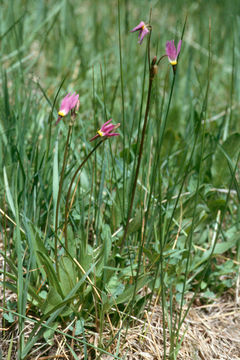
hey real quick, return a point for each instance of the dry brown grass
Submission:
(211, 332)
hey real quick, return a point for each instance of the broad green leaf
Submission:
(50, 271)
(67, 274)
(49, 334)
(127, 294)
(54, 313)
(136, 223)
(53, 299)
(222, 247)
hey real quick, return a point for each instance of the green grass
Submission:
(187, 193)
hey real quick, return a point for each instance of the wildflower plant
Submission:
(68, 104)
(94, 229)
(171, 51)
(143, 30)
(106, 130)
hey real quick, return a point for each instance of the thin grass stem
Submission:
(67, 208)
(151, 78)
(60, 192)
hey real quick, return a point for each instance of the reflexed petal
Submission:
(74, 100)
(67, 104)
(179, 47)
(105, 125)
(142, 34)
(106, 130)
(113, 134)
(168, 46)
(138, 27)
(64, 102)
(171, 50)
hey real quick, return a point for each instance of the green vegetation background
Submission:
(48, 47)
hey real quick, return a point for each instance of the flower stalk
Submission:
(152, 74)
(60, 191)
(106, 131)
(70, 103)
(67, 207)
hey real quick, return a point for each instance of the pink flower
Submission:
(171, 51)
(106, 130)
(143, 31)
(68, 103)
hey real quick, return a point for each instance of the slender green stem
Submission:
(160, 139)
(219, 230)
(190, 236)
(162, 273)
(123, 103)
(49, 131)
(60, 190)
(151, 78)
(160, 59)
(5, 263)
(67, 209)
(126, 16)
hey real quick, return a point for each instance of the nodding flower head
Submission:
(106, 130)
(68, 103)
(172, 52)
(143, 31)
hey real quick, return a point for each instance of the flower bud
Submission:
(155, 69)
(154, 60)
